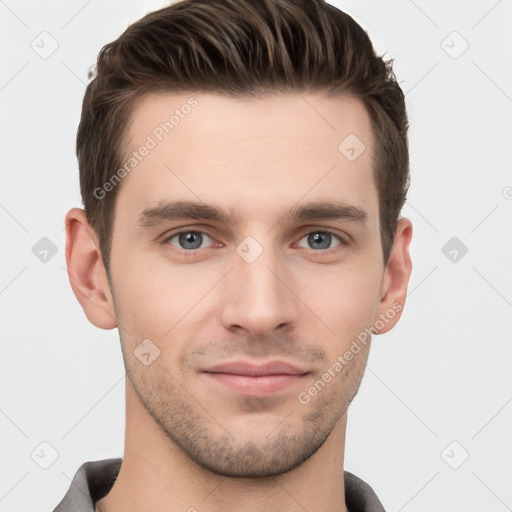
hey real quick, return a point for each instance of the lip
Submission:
(253, 370)
(256, 380)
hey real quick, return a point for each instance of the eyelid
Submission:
(342, 236)
(185, 229)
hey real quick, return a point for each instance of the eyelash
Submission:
(192, 252)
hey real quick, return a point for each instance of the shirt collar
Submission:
(94, 479)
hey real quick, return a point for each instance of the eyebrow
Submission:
(184, 210)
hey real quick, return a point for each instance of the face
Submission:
(276, 257)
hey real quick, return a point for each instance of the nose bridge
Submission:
(258, 299)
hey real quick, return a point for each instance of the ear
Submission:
(395, 280)
(87, 274)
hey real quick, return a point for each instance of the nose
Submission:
(259, 295)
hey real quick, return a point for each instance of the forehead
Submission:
(247, 154)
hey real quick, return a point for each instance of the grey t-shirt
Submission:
(94, 479)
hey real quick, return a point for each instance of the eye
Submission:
(322, 239)
(188, 240)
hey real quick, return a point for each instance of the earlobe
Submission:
(87, 275)
(396, 278)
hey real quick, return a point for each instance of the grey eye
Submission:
(189, 240)
(320, 239)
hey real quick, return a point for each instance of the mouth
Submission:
(256, 380)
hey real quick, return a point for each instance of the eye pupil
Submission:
(319, 237)
(192, 237)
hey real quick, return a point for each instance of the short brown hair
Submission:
(239, 48)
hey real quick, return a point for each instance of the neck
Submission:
(157, 475)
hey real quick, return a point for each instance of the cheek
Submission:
(344, 300)
(152, 295)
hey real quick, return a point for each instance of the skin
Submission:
(192, 443)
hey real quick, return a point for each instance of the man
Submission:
(243, 165)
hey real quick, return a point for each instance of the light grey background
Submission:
(437, 387)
